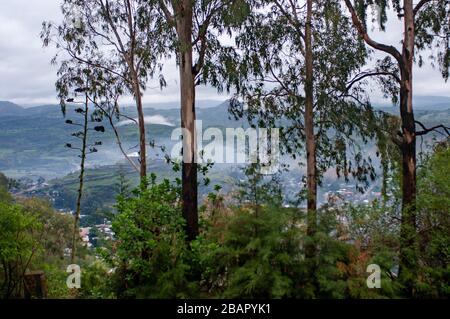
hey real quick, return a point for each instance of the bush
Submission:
(434, 224)
(18, 247)
(254, 254)
(151, 253)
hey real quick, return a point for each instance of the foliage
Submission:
(18, 245)
(247, 248)
(253, 245)
(255, 249)
(431, 32)
(33, 236)
(93, 34)
(270, 81)
(4, 196)
(255, 256)
(151, 254)
(97, 280)
(56, 228)
(371, 233)
(259, 188)
(434, 224)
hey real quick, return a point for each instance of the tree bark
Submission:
(187, 90)
(408, 255)
(310, 136)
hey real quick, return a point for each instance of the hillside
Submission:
(32, 139)
(10, 109)
(421, 103)
(32, 144)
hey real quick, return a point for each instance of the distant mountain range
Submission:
(212, 112)
(32, 139)
(32, 146)
(423, 103)
(11, 109)
(428, 103)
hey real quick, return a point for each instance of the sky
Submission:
(27, 77)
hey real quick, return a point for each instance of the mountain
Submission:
(431, 103)
(10, 109)
(32, 145)
(421, 103)
(32, 139)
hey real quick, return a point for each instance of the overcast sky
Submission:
(27, 78)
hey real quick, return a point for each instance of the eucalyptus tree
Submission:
(300, 70)
(115, 37)
(195, 26)
(426, 27)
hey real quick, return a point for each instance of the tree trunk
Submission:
(142, 139)
(408, 250)
(310, 136)
(187, 82)
(81, 183)
(141, 123)
(408, 247)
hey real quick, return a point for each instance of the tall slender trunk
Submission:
(408, 249)
(310, 136)
(141, 123)
(76, 234)
(189, 166)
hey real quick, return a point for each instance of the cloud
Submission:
(27, 77)
(154, 119)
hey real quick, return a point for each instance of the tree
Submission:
(289, 77)
(117, 39)
(258, 189)
(192, 24)
(151, 254)
(33, 236)
(4, 183)
(54, 236)
(311, 175)
(433, 222)
(255, 255)
(252, 249)
(17, 248)
(425, 26)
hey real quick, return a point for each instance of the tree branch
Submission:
(420, 5)
(116, 133)
(169, 16)
(363, 33)
(203, 45)
(95, 65)
(295, 23)
(428, 130)
(364, 75)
